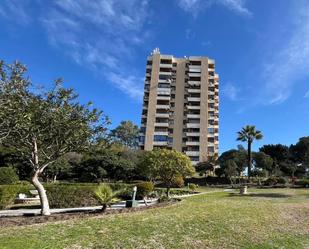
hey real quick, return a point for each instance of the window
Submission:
(160, 138)
(211, 130)
(164, 77)
(211, 149)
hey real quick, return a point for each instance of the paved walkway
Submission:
(25, 212)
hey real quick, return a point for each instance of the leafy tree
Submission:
(166, 165)
(263, 161)
(230, 170)
(62, 168)
(8, 175)
(249, 134)
(207, 166)
(98, 165)
(43, 125)
(280, 155)
(238, 156)
(126, 134)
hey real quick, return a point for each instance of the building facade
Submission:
(181, 106)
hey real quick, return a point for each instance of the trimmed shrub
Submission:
(178, 182)
(65, 196)
(8, 176)
(270, 181)
(144, 189)
(282, 180)
(302, 183)
(275, 180)
(162, 192)
(193, 187)
(8, 193)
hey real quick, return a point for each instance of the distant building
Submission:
(181, 106)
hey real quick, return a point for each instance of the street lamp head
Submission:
(134, 188)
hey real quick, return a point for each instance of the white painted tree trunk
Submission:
(35, 179)
(42, 194)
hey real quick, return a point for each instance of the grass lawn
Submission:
(273, 218)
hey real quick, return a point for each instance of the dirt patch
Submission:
(30, 220)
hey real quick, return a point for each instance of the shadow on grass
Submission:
(263, 195)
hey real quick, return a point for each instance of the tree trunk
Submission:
(104, 207)
(35, 180)
(249, 160)
(42, 194)
(168, 191)
(55, 178)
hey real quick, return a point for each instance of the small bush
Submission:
(178, 182)
(144, 189)
(282, 180)
(275, 180)
(193, 187)
(163, 198)
(8, 193)
(303, 183)
(270, 181)
(8, 176)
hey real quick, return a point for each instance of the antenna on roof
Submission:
(156, 51)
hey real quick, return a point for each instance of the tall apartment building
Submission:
(181, 106)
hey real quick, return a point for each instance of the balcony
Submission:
(192, 153)
(165, 73)
(193, 115)
(194, 69)
(161, 124)
(161, 133)
(193, 107)
(194, 99)
(163, 91)
(163, 97)
(192, 134)
(162, 106)
(194, 74)
(160, 143)
(193, 125)
(192, 143)
(166, 65)
(190, 90)
(194, 83)
(162, 115)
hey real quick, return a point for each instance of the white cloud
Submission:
(15, 11)
(306, 94)
(101, 35)
(289, 63)
(195, 6)
(230, 91)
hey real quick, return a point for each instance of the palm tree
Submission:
(105, 195)
(249, 134)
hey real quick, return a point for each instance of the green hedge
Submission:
(302, 182)
(63, 195)
(9, 192)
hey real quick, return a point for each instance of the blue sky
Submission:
(99, 47)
